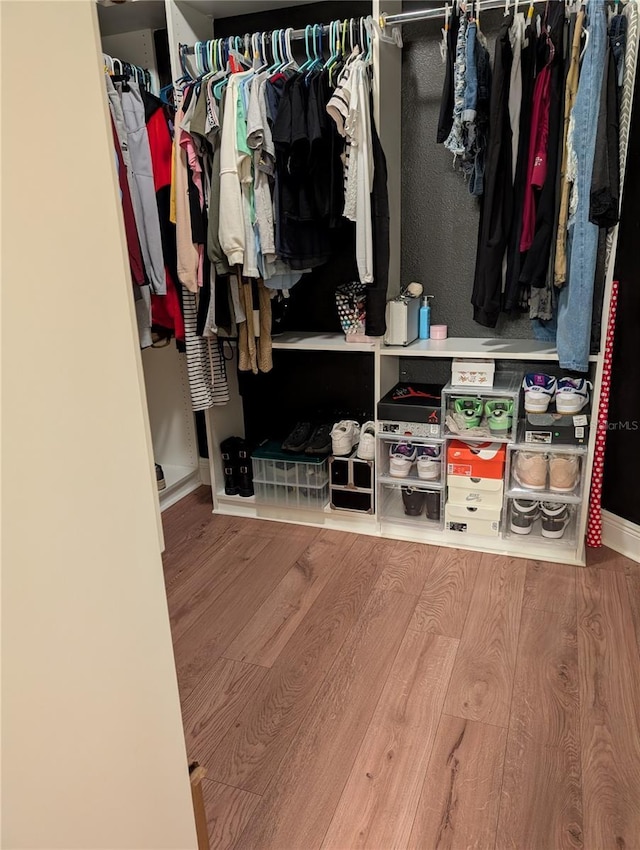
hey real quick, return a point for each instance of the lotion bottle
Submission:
(425, 318)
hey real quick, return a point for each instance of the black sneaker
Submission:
(320, 442)
(433, 504)
(229, 452)
(523, 514)
(413, 501)
(555, 518)
(299, 438)
(161, 483)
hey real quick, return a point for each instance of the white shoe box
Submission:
(478, 492)
(467, 519)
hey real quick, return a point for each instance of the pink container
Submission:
(438, 332)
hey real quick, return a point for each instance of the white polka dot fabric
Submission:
(594, 525)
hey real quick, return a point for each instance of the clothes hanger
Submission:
(276, 59)
(368, 28)
(307, 31)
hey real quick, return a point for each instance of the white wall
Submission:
(92, 750)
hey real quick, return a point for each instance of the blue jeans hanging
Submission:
(575, 301)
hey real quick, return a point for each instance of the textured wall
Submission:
(439, 216)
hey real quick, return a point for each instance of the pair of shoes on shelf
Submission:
(415, 501)
(347, 433)
(499, 413)
(403, 455)
(236, 462)
(570, 394)
(554, 517)
(532, 470)
(309, 439)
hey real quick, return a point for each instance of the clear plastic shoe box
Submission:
(293, 481)
(487, 413)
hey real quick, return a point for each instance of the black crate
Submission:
(352, 484)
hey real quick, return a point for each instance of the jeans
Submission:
(575, 302)
(471, 78)
(618, 38)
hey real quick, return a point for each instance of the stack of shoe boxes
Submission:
(410, 451)
(475, 481)
(479, 421)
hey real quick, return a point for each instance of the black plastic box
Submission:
(547, 428)
(409, 402)
(352, 484)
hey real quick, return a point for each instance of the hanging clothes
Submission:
(544, 171)
(142, 187)
(571, 89)
(528, 58)
(575, 300)
(604, 197)
(445, 120)
(497, 201)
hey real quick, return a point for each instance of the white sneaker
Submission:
(344, 436)
(539, 390)
(367, 444)
(401, 459)
(428, 463)
(572, 394)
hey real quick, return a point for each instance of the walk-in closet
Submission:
(322, 527)
(492, 250)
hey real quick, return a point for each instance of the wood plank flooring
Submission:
(351, 693)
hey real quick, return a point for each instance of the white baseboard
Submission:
(621, 535)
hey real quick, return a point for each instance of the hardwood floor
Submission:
(351, 693)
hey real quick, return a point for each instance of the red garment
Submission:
(166, 311)
(537, 163)
(131, 233)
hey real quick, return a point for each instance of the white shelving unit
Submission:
(189, 21)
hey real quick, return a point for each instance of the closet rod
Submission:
(427, 14)
(296, 35)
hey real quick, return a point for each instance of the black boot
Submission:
(245, 470)
(230, 465)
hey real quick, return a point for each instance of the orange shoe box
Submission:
(477, 460)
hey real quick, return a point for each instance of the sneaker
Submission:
(555, 518)
(469, 410)
(523, 515)
(499, 415)
(428, 463)
(432, 499)
(160, 482)
(229, 453)
(572, 394)
(539, 390)
(367, 444)
(401, 458)
(564, 473)
(530, 470)
(413, 501)
(344, 436)
(298, 439)
(320, 441)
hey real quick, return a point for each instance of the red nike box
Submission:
(476, 460)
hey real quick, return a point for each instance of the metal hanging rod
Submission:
(438, 12)
(294, 35)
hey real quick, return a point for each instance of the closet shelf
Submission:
(319, 342)
(497, 349)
